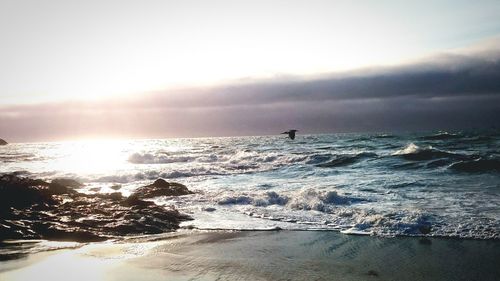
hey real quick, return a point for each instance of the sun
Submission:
(91, 156)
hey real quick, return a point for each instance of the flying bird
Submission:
(291, 134)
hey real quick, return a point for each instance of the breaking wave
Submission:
(154, 174)
(18, 157)
(344, 160)
(323, 201)
(417, 153)
(306, 199)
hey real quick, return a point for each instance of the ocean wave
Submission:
(406, 223)
(318, 158)
(417, 153)
(154, 174)
(271, 198)
(325, 148)
(241, 167)
(18, 157)
(252, 161)
(404, 185)
(242, 160)
(477, 166)
(344, 160)
(390, 224)
(244, 157)
(193, 172)
(126, 178)
(311, 199)
(260, 200)
(416, 223)
(306, 199)
(211, 158)
(236, 200)
(442, 136)
(438, 163)
(384, 136)
(317, 215)
(353, 220)
(148, 158)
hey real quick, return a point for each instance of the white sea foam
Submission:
(304, 199)
(409, 149)
(311, 199)
(328, 210)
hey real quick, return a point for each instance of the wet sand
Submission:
(264, 255)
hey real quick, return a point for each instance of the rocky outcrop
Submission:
(35, 209)
(162, 188)
(3, 142)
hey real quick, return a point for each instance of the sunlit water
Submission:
(413, 184)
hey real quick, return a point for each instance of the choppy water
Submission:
(436, 184)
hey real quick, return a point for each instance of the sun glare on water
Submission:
(99, 156)
(106, 157)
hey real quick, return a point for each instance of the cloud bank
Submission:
(445, 92)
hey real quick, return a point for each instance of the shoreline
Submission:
(264, 255)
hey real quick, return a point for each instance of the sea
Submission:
(436, 184)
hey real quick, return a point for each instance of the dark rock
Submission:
(34, 209)
(115, 196)
(116, 187)
(16, 192)
(3, 142)
(57, 189)
(372, 273)
(63, 186)
(162, 188)
(49, 232)
(67, 183)
(133, 200)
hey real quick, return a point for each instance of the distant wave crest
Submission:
(442, 136)
(147, 158)
(417, 153)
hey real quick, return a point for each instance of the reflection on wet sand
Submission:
(271, 255)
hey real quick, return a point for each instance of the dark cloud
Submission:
(444, 76)
(442, 93)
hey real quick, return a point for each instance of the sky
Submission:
(146, 69)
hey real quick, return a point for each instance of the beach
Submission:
(324, 207)
(263, 255)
